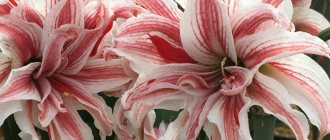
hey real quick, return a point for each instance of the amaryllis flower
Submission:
(46, 72)
(221, 58)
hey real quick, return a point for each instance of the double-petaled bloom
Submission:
(47, 68)
(216, 60)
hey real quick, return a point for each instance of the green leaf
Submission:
(325, 34)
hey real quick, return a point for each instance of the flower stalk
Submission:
(264, 126)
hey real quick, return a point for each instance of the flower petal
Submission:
(206, 33)
(163, 86)
(69, 126)
(174, 128)
(169, 52)
(50, 104)
(100, 75)
(273, 44)
(308, 85)
(165, 8)
(65, 12)
(19, 39)
(4, 67)
(144, 24)
(224, 114)
(310, 21)
(53, 47)
(78, 53)
(302, 3)
(71, 88)
(24, 121)
(8, 108)
(27, 89)
(253, 18)
(142, 54)
(26, 12)
(273, 97)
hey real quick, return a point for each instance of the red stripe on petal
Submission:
(274, 98)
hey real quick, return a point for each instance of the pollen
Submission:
(66, 93)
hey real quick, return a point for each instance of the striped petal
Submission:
(26, 12)
(308, 85)
(310, 21)
(142, 54)
(50, 104)
(58, 40)
(5, 67)
(65, 12)
(71, 88)
(225, 115)
(274, 44)
(206, 33)
(27, 89)
(69, 125)
(165, 8)
(19, 39)
(198, 109)
(302, 3)
(144, 24)
(161, 87)
(253, 18)
(5, 7)
(78, 53)
(273, 97)
(100, 75)
(24, 121)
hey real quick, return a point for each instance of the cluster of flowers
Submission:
(210, 59)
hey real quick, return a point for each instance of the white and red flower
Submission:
(216, 61)
(47, 71)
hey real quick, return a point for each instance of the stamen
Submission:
(66, 94)
(223, 62)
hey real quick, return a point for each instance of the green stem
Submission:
(264, 126)
(325, 34)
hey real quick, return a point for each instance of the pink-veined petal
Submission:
(310, 21)
(5, 8)
(235, 81)
(65, 12)
(24, 121)
(165, 8)
(308, 85)
(122, 128)
(69, 125)
(58, 40)
(169, 52)
(142, 54)
(211, 131)
(72, 88)
(174, 128)
(19, 39)
(224, 114)
(273, 44)
(5, 67)
(26, 12)
(163, 86)
(144, 24)
(274, 98)
(8, 108)
(26, 89)
(206, 33)
(302, 3)
(275, 3)
(79, 52)
(198, 109)
(100, 75)
(253, 18)
(126, 9)
(50, 104)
